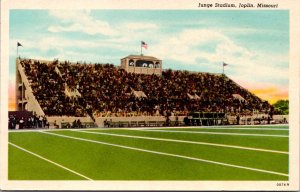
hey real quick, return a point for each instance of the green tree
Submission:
(281, 107)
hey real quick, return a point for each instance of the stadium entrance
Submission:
(142, 64)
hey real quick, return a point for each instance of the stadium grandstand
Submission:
(62, 94)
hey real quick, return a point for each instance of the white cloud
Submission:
(188, 48)
(140, 26)
(80, 20)
(189, 45)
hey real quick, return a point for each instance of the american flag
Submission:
(143, 44)
(225, 64)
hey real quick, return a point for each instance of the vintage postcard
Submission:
(150, 95)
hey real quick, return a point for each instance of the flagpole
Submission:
(141, 49)
(18, 44)
(223, 68)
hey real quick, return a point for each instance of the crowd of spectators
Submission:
(27, 121)
(107, 90)
(48, 88)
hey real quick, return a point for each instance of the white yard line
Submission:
(61, 166)
(213, 133)
(184, 141)
(169, 154)
(265, 127)
(222, 128)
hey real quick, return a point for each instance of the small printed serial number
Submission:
(282, 184)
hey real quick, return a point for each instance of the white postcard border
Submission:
(292, 5)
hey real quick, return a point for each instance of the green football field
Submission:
(198, 153)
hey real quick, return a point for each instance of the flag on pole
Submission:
(18, 45)
(143, 44)
(224, 65)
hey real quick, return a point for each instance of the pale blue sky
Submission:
(255, 44)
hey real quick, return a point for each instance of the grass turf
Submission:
(272, 143)
(24, 166)
(102, 162)
(245, 131)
